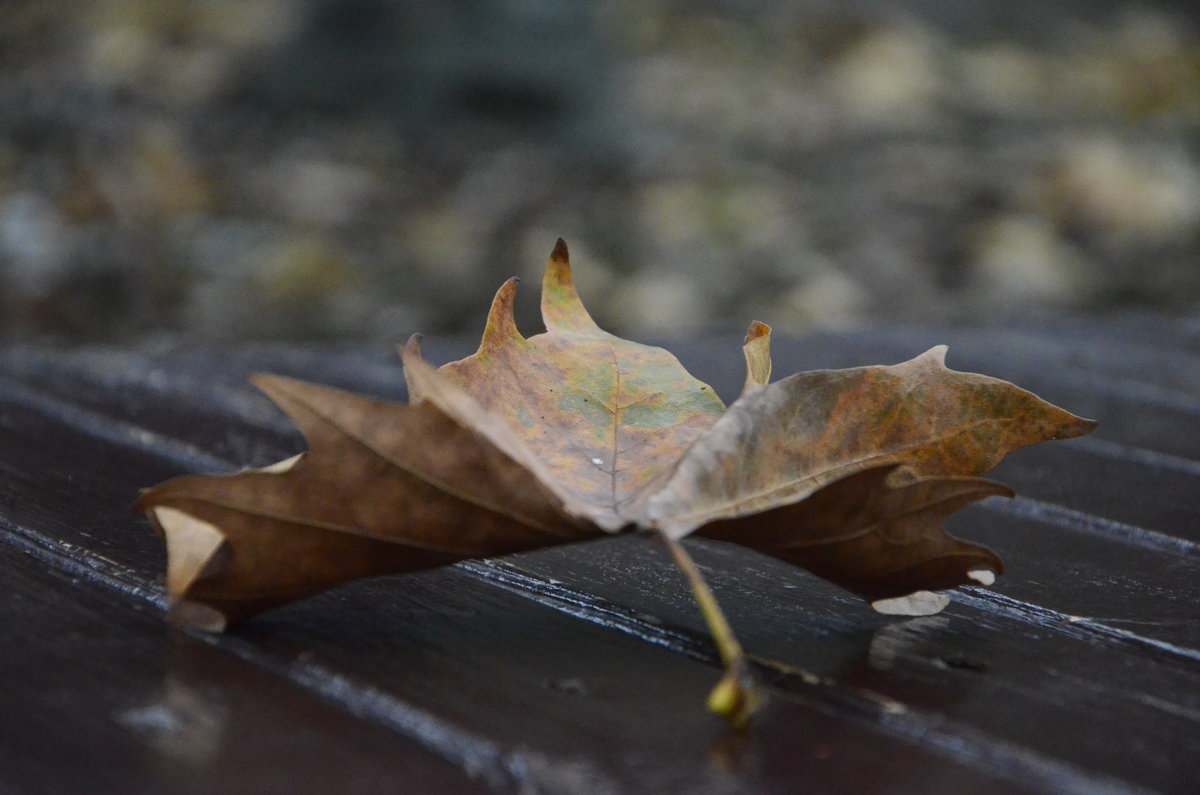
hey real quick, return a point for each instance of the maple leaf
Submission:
(575, 433)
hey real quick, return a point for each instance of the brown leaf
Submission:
(777, 471)
(878, 540)
(572, 433)
(385, 488)
(779, 442)
(608, 417)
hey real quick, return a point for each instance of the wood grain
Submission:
(583, 668)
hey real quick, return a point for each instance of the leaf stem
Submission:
(737, 696)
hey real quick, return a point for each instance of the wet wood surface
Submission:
(584, 669)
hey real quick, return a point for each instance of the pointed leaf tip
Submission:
(1076, 426)
(410, 355)
(273, 386)
(560, 251)
(297, 399)
(501, 329)
(562, 310)
(935, 355)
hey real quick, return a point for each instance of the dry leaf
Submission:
(574, 433)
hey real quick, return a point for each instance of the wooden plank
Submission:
(1046, 621)
(99, 696)
(1137, 591)
(1097, 487)
(1109, 481)
(514, 692)
(1141, 495)
(974, 673)
(1131, 487)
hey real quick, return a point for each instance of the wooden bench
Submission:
(583, 669)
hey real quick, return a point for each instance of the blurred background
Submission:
(362, 169)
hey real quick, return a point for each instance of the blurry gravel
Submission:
(277, 169)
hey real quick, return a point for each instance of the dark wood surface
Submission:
(584, 669)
